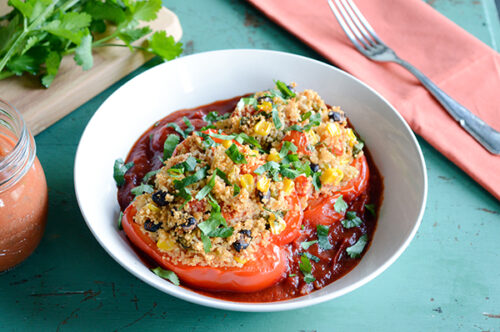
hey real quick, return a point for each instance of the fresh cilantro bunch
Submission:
(37, 34)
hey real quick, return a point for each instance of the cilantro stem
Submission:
(26, 30)
(122, 45)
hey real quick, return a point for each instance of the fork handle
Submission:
(482, 132)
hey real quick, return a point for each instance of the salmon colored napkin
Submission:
(456, 61)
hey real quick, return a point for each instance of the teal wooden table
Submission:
(448, 279)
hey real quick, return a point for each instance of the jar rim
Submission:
(15, 164)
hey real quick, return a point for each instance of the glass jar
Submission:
(23, 190)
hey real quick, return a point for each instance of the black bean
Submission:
(314, 167)
(151, 226)
(336, 116)
(159, 198)
(262, 99)
(246, 232)
(190, 224)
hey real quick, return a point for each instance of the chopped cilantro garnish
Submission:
(355, 250)
(184, 133)
(186, 166)
(119, 170)
(141, 189)
(351, 220)
(357, 148)
(305, 116)
(242, 137)
(170, 145)
(120, 217)
(287, 147)
(223, 137)
(246, 101)
(306, 269)
(285, 90)
(371, 208)
(166, 274)
(316, 181)
(340, 205)
(189, 126)
(235, 155)
(306, 245)
(276, 119)
(207, 189)
(198, 176)
(149, 175)
(291, 275)
(207, 244)
(314, 121)
(311, 256)
(213, 117)
(177, 129)
(323, 241)
(295, 127)
(269, 166)
(236, 190)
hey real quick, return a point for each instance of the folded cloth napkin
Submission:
(460, 64)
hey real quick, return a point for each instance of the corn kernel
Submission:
(332, 176)
(288, 185)
(247, 182)
(166, 244)
(226, 143)
(313, 137)
(240, 260)
(352, 137)
(277, 226)
(263, 184)
(263, 128)
(153, 207)
(274, 156)
(265, 106)
(333, 129)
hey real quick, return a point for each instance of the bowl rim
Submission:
(217, 303)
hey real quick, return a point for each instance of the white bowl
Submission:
(206, 77)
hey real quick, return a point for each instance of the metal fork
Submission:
(364, 38)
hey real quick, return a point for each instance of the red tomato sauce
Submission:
(331, 264)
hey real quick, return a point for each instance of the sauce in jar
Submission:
(23, 190)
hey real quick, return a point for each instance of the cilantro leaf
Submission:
(119, 170)
(351, 220)
(311, 257)
(242, 137)
(306, 269)
(355, 250)
(340, 205)
(167, 274)
(149, 175)
(372, 209)
(198, 176)
(246, 101)
(276, 119)
(207, 244)
(107, 10)
(285, 90)
(235, 155)
(164, 46)
(170, 145)
(131, 35)
(323, 241)
(314, 121)
(287, 147)
(306, 245)
(206, 189)
(316, 181)
(52, 64)
(120, 217)
(305, 116)
(141, 189)
(145, 10)
(83, 53)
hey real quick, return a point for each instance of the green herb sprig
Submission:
(37, 34)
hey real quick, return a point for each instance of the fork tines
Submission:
(354, 24)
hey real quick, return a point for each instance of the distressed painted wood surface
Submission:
(447, 280)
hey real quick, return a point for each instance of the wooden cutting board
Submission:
(72, 86)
